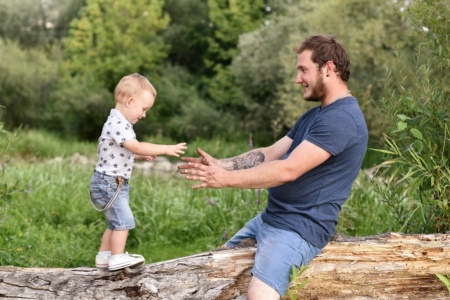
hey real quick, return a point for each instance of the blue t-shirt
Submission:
(310, 205)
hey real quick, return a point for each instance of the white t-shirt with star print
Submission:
(113, 158)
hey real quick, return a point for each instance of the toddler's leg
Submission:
(106, 241)
(118, 241)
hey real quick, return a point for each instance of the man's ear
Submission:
(330, 68)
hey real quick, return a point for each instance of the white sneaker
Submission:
(102, 261)
(124, 260)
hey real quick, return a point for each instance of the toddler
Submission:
(117, 150)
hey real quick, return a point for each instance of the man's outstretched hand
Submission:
(205, 170)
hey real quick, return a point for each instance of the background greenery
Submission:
(223, 76)
(226, 73)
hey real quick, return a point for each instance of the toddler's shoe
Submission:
(102, 261)
(124, 260)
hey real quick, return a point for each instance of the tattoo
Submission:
(246, 161)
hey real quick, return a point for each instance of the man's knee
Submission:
(258, 290)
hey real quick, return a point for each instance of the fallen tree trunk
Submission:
(391, 266)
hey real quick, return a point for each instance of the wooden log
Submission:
(390, 266)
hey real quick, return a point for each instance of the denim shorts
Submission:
(277, 252)
(102, 188)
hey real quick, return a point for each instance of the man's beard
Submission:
(318, 92)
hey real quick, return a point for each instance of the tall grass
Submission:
(39, 144)
(49, 221)
(365, 212)
(52, 223)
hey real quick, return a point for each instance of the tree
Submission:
(228, 20)
(265, 68)
(114, 38)
(27, 77)
(371, 31)
(186, 35)
(34, 23)
(31, 31)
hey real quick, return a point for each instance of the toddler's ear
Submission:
(128, 101)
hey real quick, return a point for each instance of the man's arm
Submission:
(256, 157)
(269, 174)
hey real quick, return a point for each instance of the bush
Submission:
(26, 80)
(416, 173)
(78, 108)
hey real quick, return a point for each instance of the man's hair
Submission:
(131, 85)
(327, 48)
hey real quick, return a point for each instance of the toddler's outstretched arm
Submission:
(148, 149)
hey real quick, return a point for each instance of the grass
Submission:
(364, 212)
(46, 220)
(51, 222)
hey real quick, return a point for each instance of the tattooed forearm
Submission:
(246, 161)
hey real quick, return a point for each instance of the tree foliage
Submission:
(27, 77)
(265, 66)
(186, 35)
(228, 19)
(76, 108)
(111, 39)
(34, 23)
(210, 60)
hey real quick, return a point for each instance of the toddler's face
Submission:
(138, 106)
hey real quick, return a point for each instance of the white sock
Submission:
(116, 255)
(104, 253)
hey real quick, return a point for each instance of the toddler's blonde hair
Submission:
(132, 85)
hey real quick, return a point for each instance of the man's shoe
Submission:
(102, 261)
(124, 260)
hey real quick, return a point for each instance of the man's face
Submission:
(310, 78)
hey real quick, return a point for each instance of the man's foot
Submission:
(124, 260)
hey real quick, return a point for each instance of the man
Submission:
(308, 173)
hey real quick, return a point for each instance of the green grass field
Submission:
(46, 218)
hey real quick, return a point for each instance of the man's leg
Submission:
(250, 230)
(277, 252)
(258, 290)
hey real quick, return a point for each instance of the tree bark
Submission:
(390, 266)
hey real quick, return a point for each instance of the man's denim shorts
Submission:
(277, 252)
(119, 216)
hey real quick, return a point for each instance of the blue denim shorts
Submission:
(277, 252)
(102, 188)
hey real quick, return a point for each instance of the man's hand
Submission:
(203, 159)
(204, 169)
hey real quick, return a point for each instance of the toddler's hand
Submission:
(148, 158)
(176, 150)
